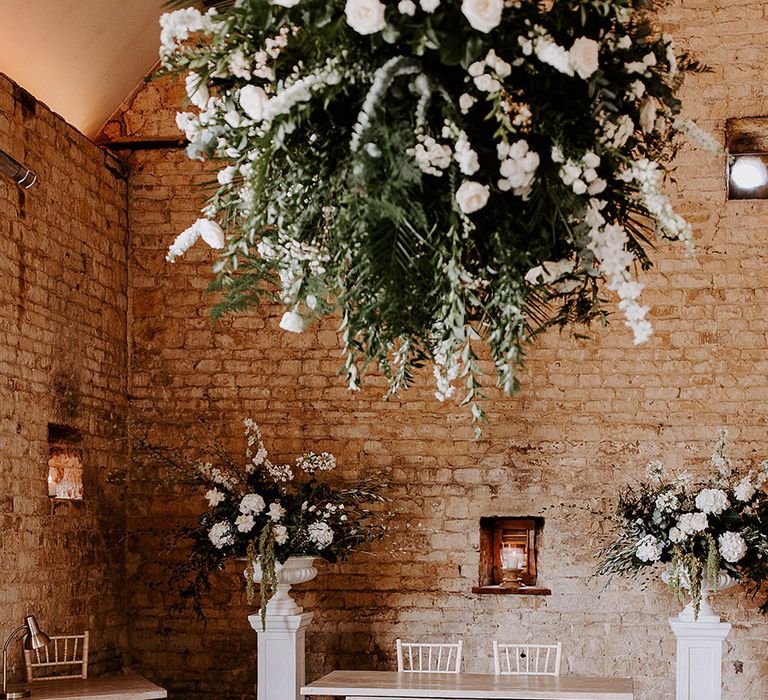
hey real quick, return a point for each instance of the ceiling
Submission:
(82, 58)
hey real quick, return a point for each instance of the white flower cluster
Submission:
(486, 82)
(320, 534)
(214, 497)
(240, 66)
(552, 272)
(206, 229)
(615, 134)
(518, 165)
(687, 524)
(649, 549)
(279, 472)
(732, 546)
(713, 501)
(643, 66)
(208, 471)
(252, 504)
(253, 440)
(175, 28)
(312, 462)
(667, 502)
(293, 258)
(655, 470)
(382, 79)
(609, 244)
(483, 15)
(647, 174)
(445, 371)
(581, 59)
(581, 176)
(221, 535)
(293, 92)
(276, 512)
(431, 157)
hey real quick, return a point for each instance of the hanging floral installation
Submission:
(441, 174)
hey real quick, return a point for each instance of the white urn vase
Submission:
(295, 570)
(706, 613)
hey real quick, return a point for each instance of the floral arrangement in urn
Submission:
(439, 173)
(266, 512)
(697, 529)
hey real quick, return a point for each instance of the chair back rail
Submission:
(425, 657)
(66, 656)
(527, 659)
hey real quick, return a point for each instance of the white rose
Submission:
(648, 115)
(692, 522)
(281, 534)
(365, 16)
(406, 7)
(472, 196)
(713, 501)
(253, 101)
(292, 322)
(483, 15)
(210, 232)
(584, 56)
(732, 546)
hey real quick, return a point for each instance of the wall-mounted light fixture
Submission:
(18, 172)
(747, 142)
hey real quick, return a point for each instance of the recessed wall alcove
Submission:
(65, 463)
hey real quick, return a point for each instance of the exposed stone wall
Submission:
(63, 361)
(591, 413)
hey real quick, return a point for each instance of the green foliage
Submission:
(328, 200)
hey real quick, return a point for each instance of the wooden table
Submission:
(131, 686)
(366, 685)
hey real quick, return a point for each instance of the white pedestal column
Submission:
(280, 663)
(699, 656)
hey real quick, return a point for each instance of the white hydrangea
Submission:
(667, 502)
(649, 549)
(732, 546)
(677, 535)
(517, 166)
(713, 501)
(221, 535)
(252, 503)
(320, 533)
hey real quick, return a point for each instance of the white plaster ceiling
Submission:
(82, 58)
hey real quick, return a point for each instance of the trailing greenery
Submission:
(441, 174)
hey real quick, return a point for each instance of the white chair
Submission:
(428, 658)
(64, 657)
(527, 659)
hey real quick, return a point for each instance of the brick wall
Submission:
(62, 360)
(590, 415)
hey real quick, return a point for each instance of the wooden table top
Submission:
(131, 686)
(469, 686)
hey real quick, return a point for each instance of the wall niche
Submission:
(509, 548)
(65, 463)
